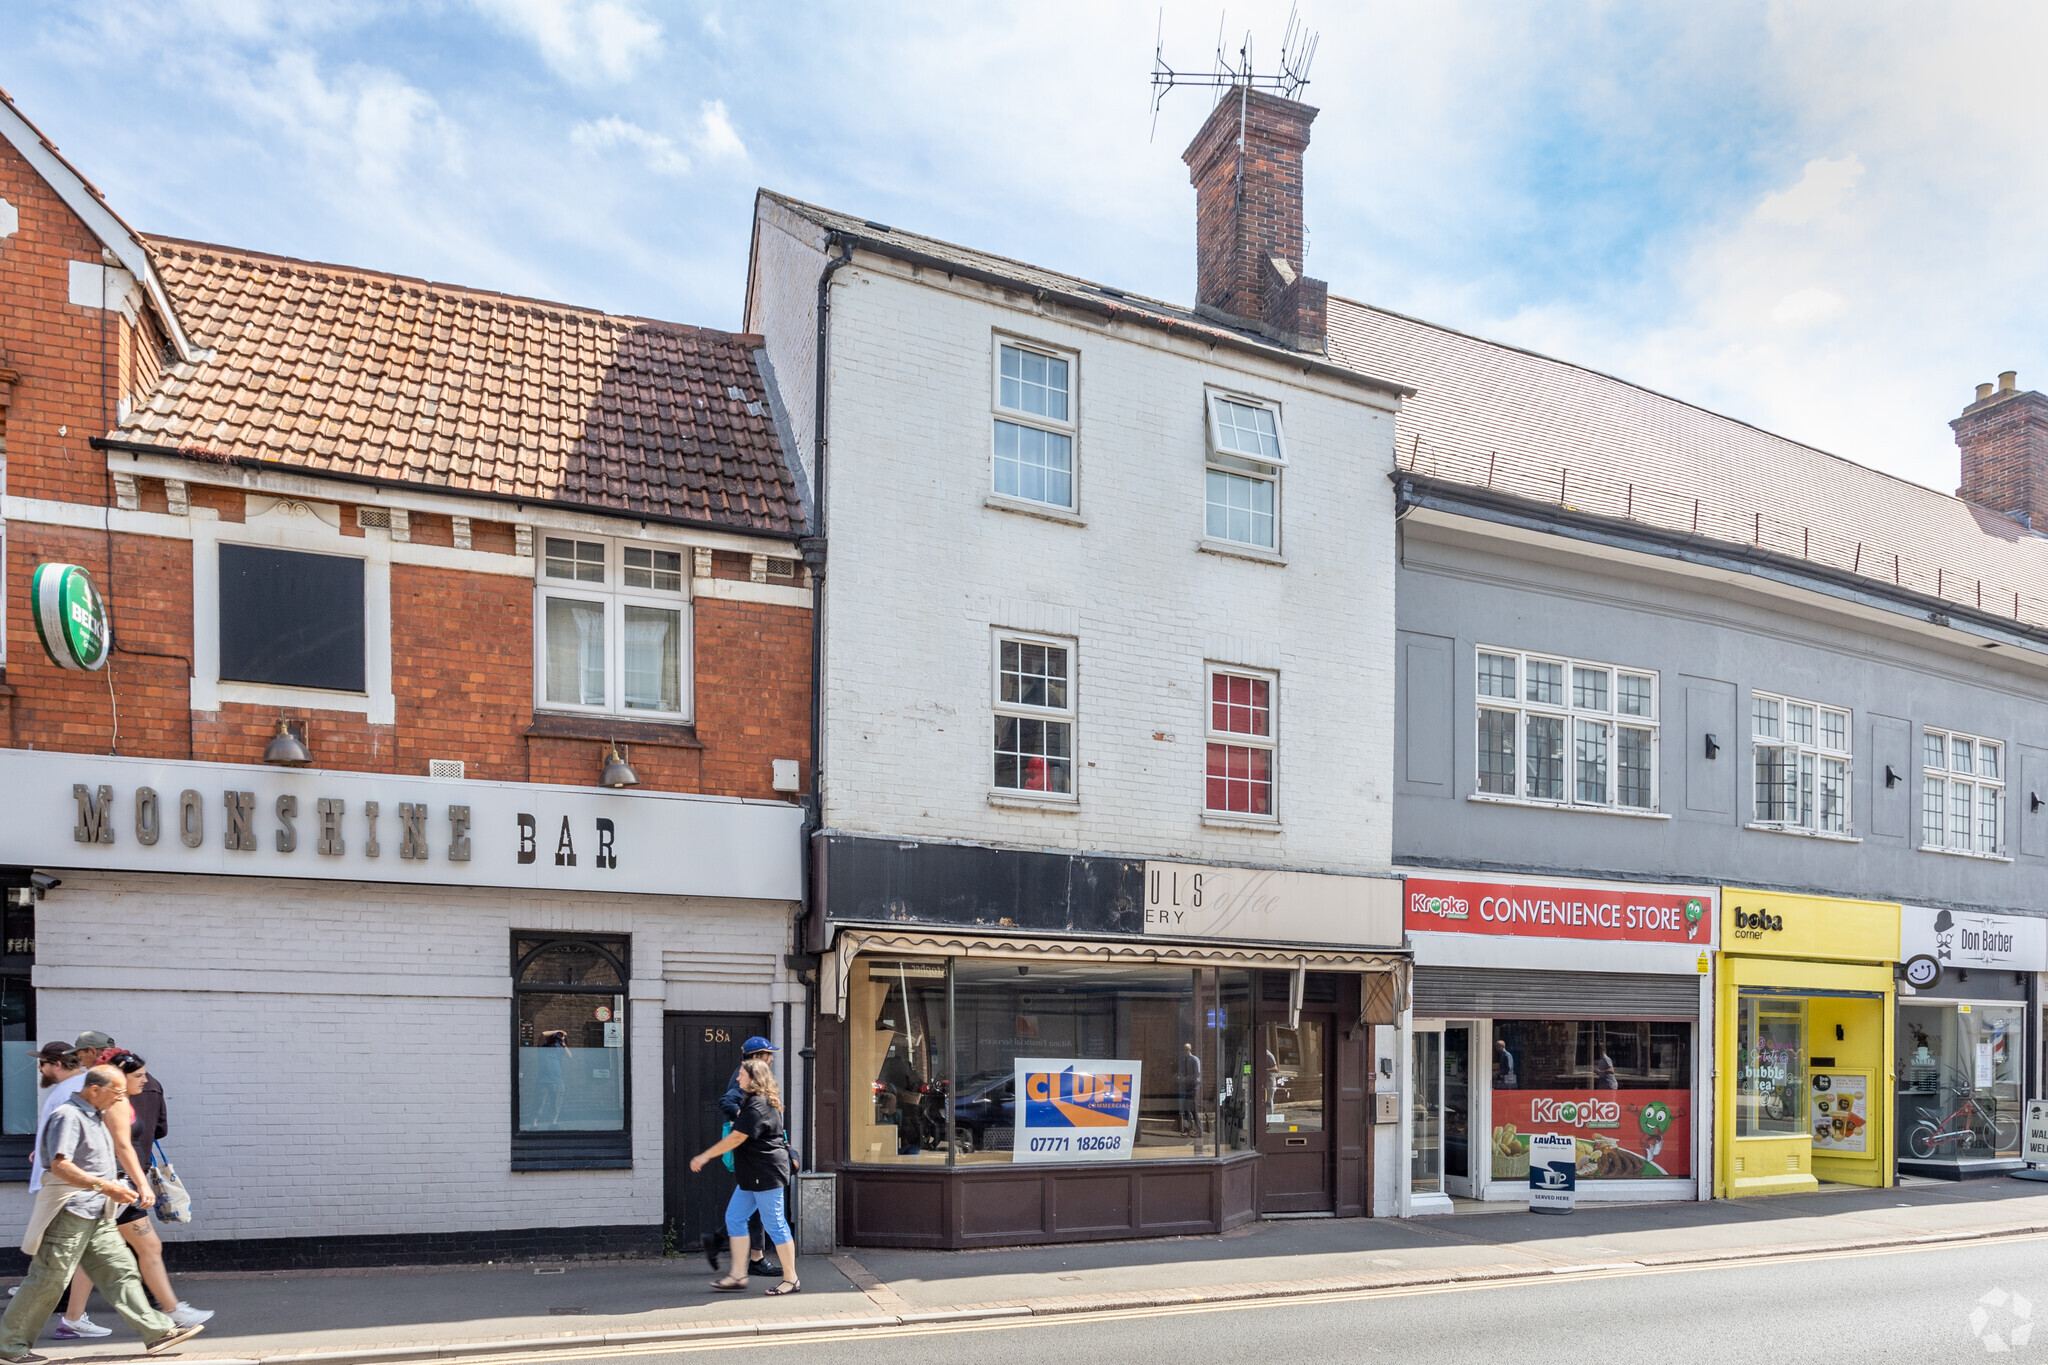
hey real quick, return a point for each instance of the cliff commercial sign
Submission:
(1183, 900)
(138, 815)
(1625, 914)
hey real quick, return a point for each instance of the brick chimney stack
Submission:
(2003, 437)
(1246, 169)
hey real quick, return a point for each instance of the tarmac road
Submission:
(1920, 1305)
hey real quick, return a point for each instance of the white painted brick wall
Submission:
(921, 570)
(335, 1056)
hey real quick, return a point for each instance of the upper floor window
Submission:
(1243, 475)
(1240, 739)
(1034, 425)
(1034, 715)
(1801, 757)
(613, 632)
(1962, 793)
(291, 618)
(1566, 731)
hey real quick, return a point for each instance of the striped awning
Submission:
(1123, 952)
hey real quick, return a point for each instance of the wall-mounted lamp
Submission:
(617, 772)
(1891, 776)
(287, 748)
(1838, 1033)
(1023, 969)
(2033, 801)
(1713, 746)
(1963, 975)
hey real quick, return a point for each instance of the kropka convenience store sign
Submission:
(1608, 913)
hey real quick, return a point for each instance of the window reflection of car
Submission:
(985, 1109)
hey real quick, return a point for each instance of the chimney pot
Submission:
(2003, 441)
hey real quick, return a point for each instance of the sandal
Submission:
(786, 1287)
(729, 1285)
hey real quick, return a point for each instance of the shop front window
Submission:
(1425, 1142)
(1958, 1068)
(938, 1045)
(569, 1073)
(1621, 1088)
(1770, 1076)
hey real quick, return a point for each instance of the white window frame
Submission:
(1977, 784)
(1807, 759)
(310, 527)
(1071, 428)
(1218, 459)
(1572, 715)
(615, 597)
(1270, 741)
(1068, 715)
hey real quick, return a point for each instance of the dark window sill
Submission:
(572, 1151)
(602, 728)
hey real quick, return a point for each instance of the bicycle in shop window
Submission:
(1973, 1125)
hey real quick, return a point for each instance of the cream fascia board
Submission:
(736, 590)
(86, 517)
(310, 487)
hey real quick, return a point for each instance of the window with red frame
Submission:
(1240, 780)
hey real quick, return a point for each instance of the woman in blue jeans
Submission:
(760, 1164)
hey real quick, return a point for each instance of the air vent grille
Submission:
(444, 767)
(781, 568)
(379, 517)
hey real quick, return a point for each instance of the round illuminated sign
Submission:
(1922, 971)
(71, 620)
(604, 1014)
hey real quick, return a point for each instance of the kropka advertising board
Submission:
(1074, 1109)
(1586, 912)
(1616, 1134)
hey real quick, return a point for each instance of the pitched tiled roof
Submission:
(1114, 303)
(1497, 417)
(332, 369)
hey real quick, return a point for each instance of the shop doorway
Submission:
(700, 1052)
(1294, 1080)
(1460, 1092)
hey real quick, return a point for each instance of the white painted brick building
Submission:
(1083, 635)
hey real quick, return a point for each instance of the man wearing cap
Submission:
(91, 1046)
(729, 1105)
(72, 1225)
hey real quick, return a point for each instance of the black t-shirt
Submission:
(151, 1122)
(762, 1161)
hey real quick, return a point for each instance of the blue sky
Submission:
(1820, 219)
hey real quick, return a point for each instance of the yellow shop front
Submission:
(1803, 1054)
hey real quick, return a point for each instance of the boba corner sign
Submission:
(71, 618)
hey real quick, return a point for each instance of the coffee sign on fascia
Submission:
(1184, 900)
(1610, 913)
(1961, 938)
(139, 815)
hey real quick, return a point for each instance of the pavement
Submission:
(424, 1313)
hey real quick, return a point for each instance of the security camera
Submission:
(44, 883)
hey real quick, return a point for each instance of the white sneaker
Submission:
(81, 1326)
(185, 1315)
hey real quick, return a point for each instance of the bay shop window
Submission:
(926, 1031)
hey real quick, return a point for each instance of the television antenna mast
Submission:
(1297, 51)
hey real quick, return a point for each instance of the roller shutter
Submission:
(1488, 992)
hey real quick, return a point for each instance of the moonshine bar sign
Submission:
(85, 811)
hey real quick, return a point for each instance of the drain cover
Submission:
(562, 1312)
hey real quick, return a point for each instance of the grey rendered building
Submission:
(1650, 656)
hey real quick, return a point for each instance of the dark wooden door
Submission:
(1296, 1113)
(702, 1051)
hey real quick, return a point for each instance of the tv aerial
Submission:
(1297, 51)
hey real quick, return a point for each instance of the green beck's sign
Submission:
(71, 620)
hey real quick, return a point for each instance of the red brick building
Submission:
(464, 642)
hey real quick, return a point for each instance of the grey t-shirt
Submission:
(76, 1130)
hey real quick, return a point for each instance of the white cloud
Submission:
(1820, 190)
(367, 119)
(660, 154)
(715, 136)
(585, 41)
(1805, 307)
